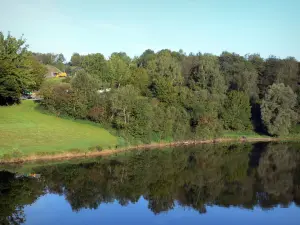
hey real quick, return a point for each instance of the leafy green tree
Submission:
(165, 75)
(87, 86)
(188, 65)
(206, 75)
(147, 56)
(164, 65)
(122, 103)
(57, 60)
(118, 71)
(237, 111)
(163, 89)
(60, 58)
(181, 123)
(123, 56)
(14, 69)
(277, 70)
(277, 108)
(163, 120)
(140, 124)
(206, 123)
(62, 99)
(240, 74)
(45, 58)
(290, 73)
(76, 59)
(259, 64)
(37, 72)
(139, 78)
(95, 64)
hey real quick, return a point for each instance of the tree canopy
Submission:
(15, 74)
(278, 109)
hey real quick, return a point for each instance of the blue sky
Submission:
(253, 26)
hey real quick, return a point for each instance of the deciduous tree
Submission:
(14, 69)
(277, 109)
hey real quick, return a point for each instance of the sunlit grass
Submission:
(25, 130)
(239, 134)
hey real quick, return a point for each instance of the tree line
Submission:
(166, 95)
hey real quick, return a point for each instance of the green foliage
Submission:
(118, 71)
(239, 73)
(123, 101)
(57, 60)
(139, 78)
(95, 65)
(165, 95)
(206, 75)
(61, 99)
(14, 69)
(76, 59)
(37, 73)
(168, 95)
(87, 86)
(277, 109)
(237, 111)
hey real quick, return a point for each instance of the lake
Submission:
(206, 184)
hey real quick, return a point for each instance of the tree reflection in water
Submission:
(243, 175)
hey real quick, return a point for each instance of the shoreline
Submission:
(107, 152)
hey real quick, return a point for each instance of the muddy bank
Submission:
(70, 155)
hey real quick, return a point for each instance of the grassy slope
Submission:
(25, 129)
(239, 134)
(51, 69)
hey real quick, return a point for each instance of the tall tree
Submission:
(37, 72)
(240, 74)
(139, 78)
(147, 56)
(14, 69)
(118, 70)
(165, 75)
(277, 70)
(206, 75)
(95, 64)
(123, 56)
(237, 111)
(122, 104)
(76, 59)
(87, 86)
(278, 113)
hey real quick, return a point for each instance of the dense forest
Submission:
(164, 95)
(264, 175)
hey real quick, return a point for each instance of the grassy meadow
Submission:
(24, 130)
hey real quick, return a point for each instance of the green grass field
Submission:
(26, 130)
(239, 134)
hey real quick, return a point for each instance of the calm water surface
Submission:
(209, 184)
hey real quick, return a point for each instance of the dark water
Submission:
(209, 184)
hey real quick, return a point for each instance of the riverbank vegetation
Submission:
(159, 96)
(170, 95)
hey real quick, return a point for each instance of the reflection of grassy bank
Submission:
(33, 166)
(94, 153)
(26, 131)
